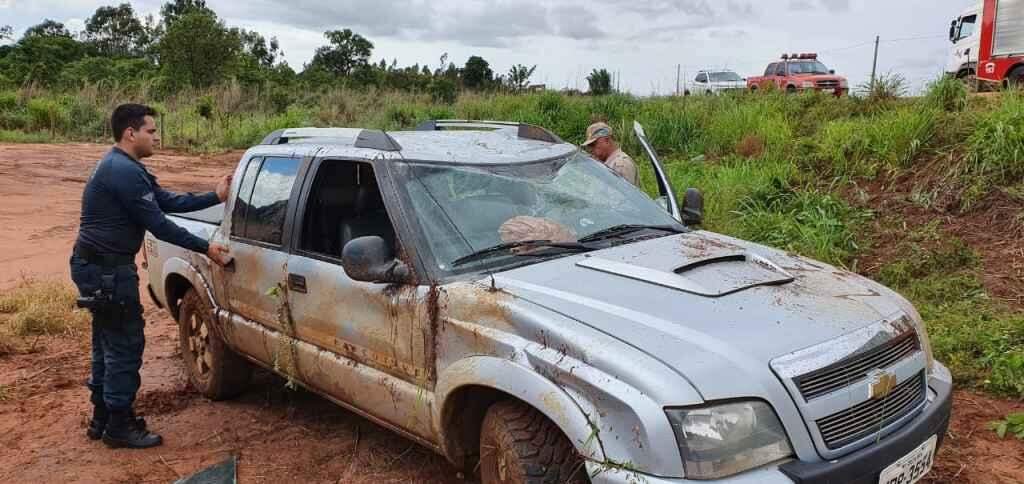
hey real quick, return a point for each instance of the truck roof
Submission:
(450, 142)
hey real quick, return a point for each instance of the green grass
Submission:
(1012, 424)
(12, 136)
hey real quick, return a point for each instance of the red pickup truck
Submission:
(800, 72)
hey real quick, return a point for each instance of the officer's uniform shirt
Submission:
(624, 166)
(122, 200)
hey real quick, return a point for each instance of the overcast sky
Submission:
(641, 40)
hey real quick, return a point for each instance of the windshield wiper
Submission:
(624, 229)
(497, 249)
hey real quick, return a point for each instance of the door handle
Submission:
(297, 283)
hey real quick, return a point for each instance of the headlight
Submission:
(922, 332)
(727, 439)
(808, 85)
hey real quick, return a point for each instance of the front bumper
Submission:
(861, 467)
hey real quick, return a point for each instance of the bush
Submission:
(47, 114)
(947, 94)
(443, 90)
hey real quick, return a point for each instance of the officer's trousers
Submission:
(118, 339)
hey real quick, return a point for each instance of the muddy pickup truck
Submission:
(606, 339)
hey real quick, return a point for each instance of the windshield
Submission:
(807, 67)
(725, 77)
(462, 210)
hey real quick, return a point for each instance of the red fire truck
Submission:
(1001, 53)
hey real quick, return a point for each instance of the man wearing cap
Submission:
(602, 146)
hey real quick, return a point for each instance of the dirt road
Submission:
(279, 435)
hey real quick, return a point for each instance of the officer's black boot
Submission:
(99, 416)
(125, 430)
(98, 424)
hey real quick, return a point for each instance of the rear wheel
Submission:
(519, 445)
(213, 369)
(1015, 80)
(790, 89)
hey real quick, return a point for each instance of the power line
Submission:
(923, 37)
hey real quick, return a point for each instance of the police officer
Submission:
(121, 201)
(602, 146)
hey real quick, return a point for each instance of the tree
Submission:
(254, 45)
(175, 9)
(519, 76)
(198, 49)
(116, 32)
(41, 54)
(477, 74)
(6, 33)
(49, 28)
(600, 81)
(346, 52)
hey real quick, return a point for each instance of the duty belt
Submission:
(103, 259)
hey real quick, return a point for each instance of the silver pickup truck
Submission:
(493, 293)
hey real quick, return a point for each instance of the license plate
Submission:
(911, 467)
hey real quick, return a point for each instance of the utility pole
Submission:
(874, 65)
(678, 70)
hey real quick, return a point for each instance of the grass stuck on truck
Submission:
(607, 339)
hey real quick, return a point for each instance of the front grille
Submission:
(828, 84)
(855, 368)
(856, 422)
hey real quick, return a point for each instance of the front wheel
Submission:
(519, 445)
(214, 370)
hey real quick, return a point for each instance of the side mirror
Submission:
(693, 207)
(369, 259)
(831, 71)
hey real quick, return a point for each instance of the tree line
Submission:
(189, 46)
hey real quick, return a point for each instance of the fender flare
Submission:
(524, 384)
(180, 267)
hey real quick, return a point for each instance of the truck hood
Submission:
(706, 305)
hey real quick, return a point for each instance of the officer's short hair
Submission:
(129, 116)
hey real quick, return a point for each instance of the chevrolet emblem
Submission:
(880, 384)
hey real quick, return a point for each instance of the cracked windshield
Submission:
(465, 209)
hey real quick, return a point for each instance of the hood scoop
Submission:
(713, 276)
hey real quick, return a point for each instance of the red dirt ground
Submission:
(279, 436)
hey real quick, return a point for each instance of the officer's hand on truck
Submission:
(224, 187)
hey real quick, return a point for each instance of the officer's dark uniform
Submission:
(121, 201)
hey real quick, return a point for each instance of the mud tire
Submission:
(213, 369)
(519, 445)
(1015, 79)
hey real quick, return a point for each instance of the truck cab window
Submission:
(780, 69)
(702, 78)
(244, 194)
(265, 211)
(344, 203)
(770, 71)
(967, 26)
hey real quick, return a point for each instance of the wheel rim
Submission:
(199, 345)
